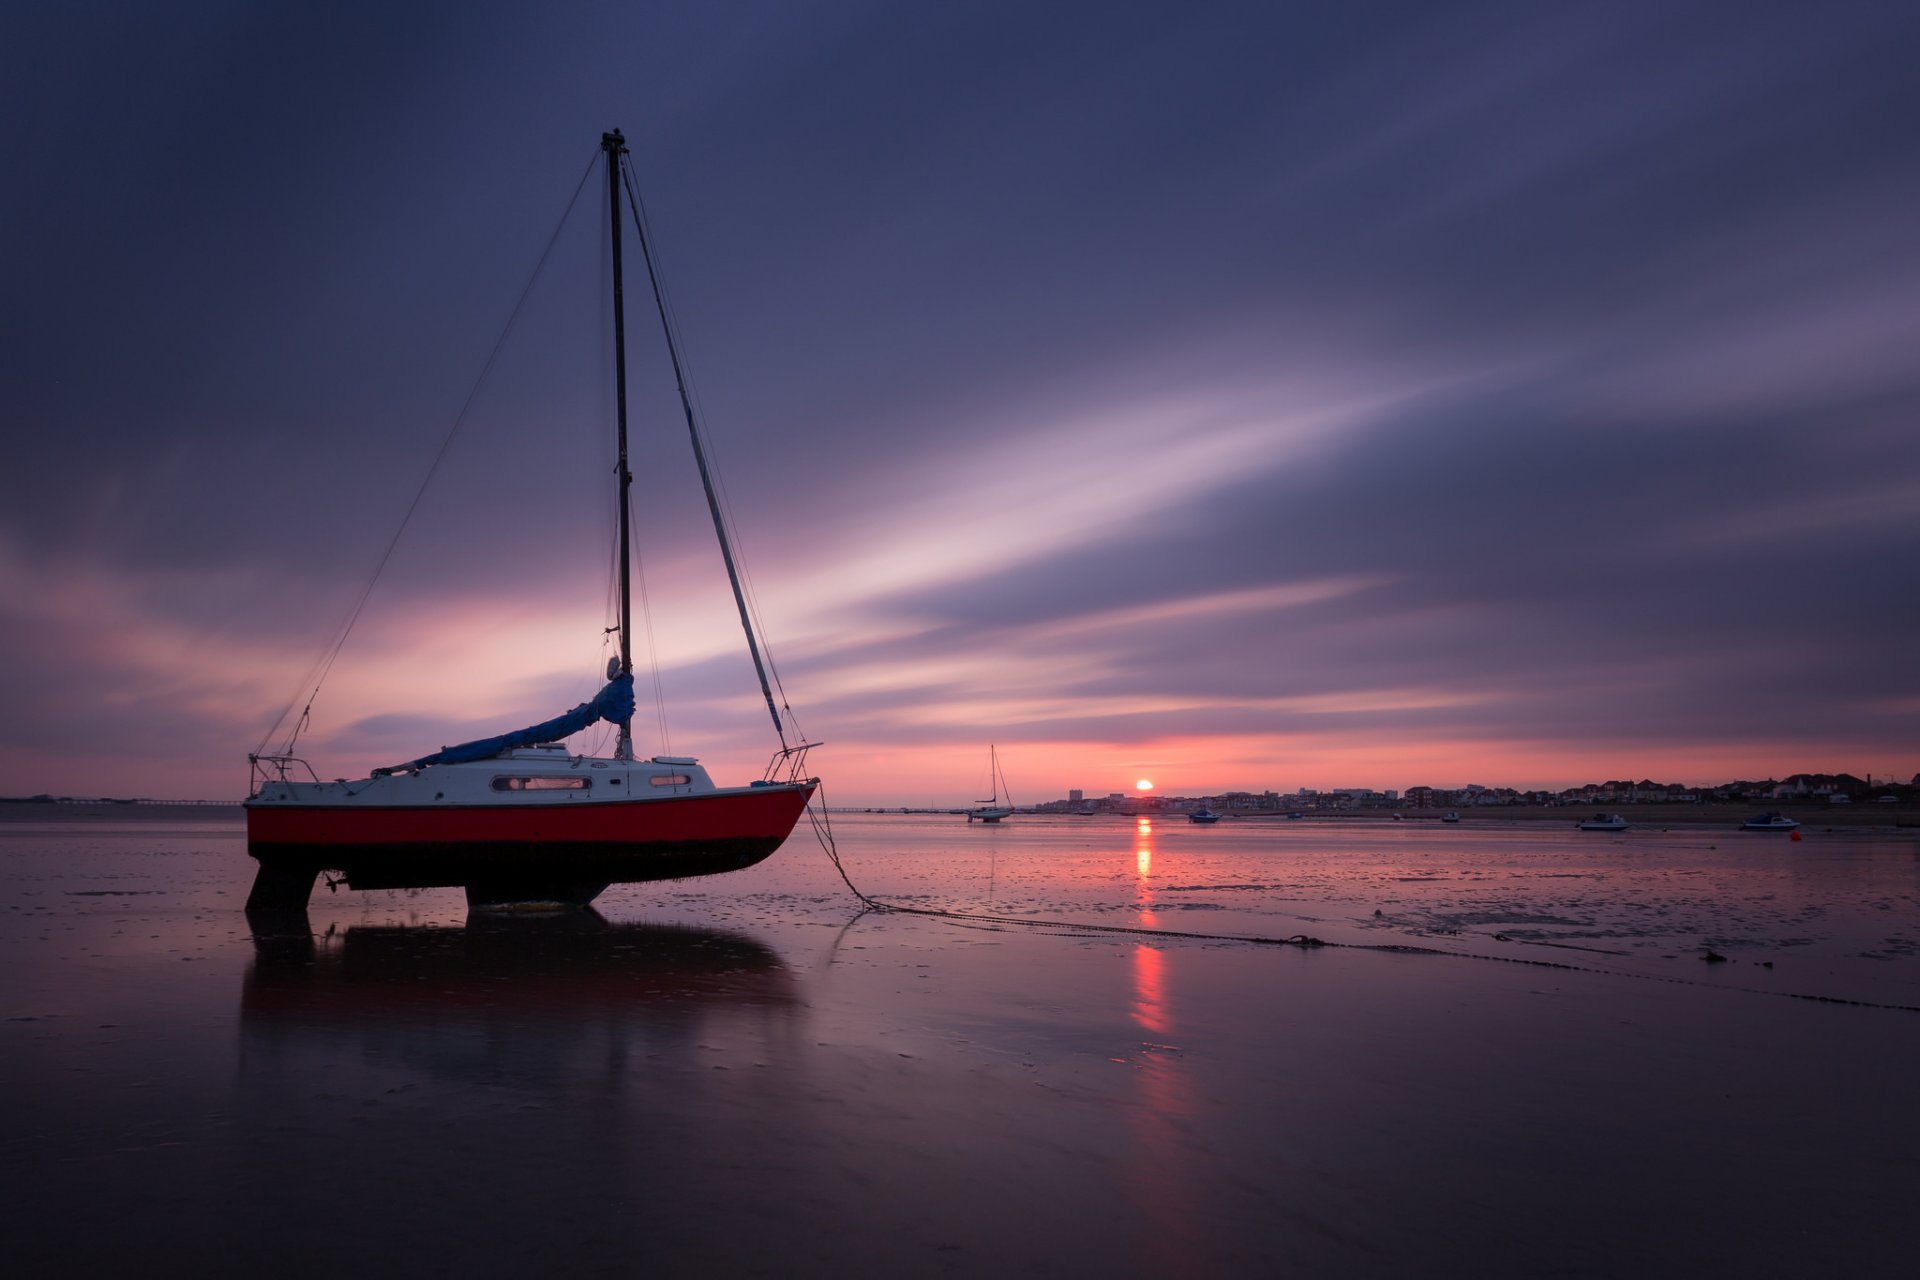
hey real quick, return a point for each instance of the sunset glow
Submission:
(1424, 452)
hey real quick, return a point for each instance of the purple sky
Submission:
(1244, 395)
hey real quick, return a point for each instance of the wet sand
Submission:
(749, 1076)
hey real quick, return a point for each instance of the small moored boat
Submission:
(1770, 822)
(1203, 814)
(993, 808)
(1603, 822)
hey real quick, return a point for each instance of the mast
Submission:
(614, 145)
(706, 479)
(993, 778)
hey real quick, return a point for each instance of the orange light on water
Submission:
(1150, 987)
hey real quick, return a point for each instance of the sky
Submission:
(1240, 396)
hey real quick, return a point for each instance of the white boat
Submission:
(1449, 816)
(998, 805)
(1203, 814)
(1770, 822)
(1603, 822)
(516, 819)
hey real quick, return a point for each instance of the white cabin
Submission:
(526, 775)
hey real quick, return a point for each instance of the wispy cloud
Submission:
(1247, 393)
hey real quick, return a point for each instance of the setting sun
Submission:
(1143, 785)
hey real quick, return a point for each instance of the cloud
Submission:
(1331, 394)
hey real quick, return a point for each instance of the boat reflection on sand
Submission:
(541, 974)
(510, 1096)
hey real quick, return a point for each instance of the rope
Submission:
(317, 675)
(823, 831)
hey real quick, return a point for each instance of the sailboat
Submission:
(992, 809)
(517, 819)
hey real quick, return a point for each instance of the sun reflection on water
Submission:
(1162, 1093)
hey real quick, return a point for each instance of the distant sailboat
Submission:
(993, 808)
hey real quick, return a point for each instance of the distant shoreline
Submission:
(120, 810)
(1812, 817)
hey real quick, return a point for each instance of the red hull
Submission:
(564, 851)
(752, 814)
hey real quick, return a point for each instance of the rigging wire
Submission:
(822, 826)
(691, 384)
(755, 645)
(318, 674)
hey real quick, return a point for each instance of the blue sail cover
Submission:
(613, 703)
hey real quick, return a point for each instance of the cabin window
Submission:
(669, 779)
(546, 783)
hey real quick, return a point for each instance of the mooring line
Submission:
(823, 832)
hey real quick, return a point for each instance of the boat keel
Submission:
(282, 886)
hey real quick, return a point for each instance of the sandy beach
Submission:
(1519, 1061)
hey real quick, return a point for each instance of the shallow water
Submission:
(747, 1074)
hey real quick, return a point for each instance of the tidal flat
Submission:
(1518, 1060)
